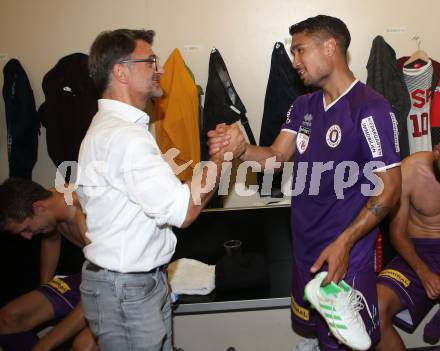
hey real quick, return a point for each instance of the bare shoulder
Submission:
(417, 172)
(417, 163)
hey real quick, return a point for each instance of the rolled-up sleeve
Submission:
(150, 181)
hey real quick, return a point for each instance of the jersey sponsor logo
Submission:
(288, 120)
(307, 120)
(59, 285)
(304, 131)
(299, 311)
(395, 275)
(372, 136)
(395, 132)
(333, 136)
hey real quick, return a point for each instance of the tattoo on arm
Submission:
(377, 209)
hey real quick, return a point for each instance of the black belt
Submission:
(95, 268)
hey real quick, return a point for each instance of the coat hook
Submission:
(419, 41)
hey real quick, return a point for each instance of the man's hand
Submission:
(431, 283)
(226, 138)
(336, 255)
(218, 138)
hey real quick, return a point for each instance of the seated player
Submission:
(409, 286)
(28, 209)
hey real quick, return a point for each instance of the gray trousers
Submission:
(127, 311)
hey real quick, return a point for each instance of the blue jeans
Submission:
(127, 311)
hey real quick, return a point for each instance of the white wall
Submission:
(38, 33)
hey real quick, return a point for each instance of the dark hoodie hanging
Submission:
(71, 102)
(22, 122)
(222, 103)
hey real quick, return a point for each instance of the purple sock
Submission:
(24, 341)
(431, 333)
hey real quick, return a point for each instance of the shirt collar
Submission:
(326, 108)
(126, 112)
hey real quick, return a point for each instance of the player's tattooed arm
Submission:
(378, 209)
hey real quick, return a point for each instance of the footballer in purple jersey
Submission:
(343, 139)
(339, 148)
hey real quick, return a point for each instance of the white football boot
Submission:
(339, 305)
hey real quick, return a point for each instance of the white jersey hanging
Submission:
(418, 82)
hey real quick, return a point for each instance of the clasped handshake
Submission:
(226, 138)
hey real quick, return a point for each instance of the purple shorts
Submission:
(405, 283)
(62, 293)
(307, 319)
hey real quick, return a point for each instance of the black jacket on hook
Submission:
(22, 122)
(283, 87)
(222, 103)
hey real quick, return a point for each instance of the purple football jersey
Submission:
(337, 149)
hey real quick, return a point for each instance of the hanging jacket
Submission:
(222, 103)
(71, 101)
(177, 115)
(384, 77)
(283, 87)
(22, 122)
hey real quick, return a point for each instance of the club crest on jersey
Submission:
(333, 136)
(303, 137)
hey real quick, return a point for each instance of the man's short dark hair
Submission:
(326, 26)
(109, 48)
(16, 198)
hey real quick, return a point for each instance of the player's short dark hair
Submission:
(110, 47)
(16, 198)
(325, 26)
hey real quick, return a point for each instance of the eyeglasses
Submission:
(153, 59)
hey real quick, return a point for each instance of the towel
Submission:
(191, 277)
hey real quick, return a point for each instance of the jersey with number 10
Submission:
(418, 81)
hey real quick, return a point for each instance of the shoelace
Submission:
(360, 302)
(353, 302)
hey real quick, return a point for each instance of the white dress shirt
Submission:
(129, 193)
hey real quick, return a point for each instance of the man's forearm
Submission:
(375, 210)
(202, 187)
(49, 256)
(369, 217)
(259, 154)
(67, 328)
(406, 249)
(202, 190)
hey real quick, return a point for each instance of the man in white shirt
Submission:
(132, 199)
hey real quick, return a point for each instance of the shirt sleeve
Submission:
(294, 116)
(380, 135)
(150, 181)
